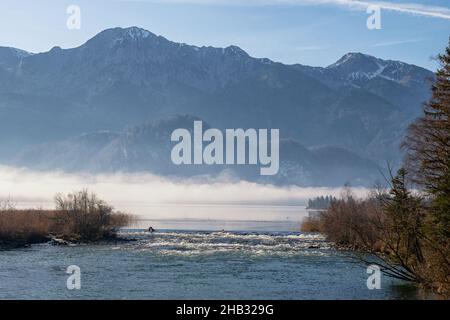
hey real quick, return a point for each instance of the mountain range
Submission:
(111, 103)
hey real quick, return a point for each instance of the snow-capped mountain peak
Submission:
(358, 68)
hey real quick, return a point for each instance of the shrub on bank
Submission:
(83, 216)
(390, 228)
(80, 216)
(312, 224)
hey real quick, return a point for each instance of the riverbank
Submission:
(78, 218)
(393, 229)
(19, 242)
(20, 228)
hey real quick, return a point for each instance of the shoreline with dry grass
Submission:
(79, 217)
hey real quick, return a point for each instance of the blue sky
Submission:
(312, 32)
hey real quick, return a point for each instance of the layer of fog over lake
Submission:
(151, 197)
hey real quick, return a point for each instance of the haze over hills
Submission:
(111, 103)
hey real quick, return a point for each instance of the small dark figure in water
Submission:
(151, 230)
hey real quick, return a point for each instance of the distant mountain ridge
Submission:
(124, 77)
(147, 147)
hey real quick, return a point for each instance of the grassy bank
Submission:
(78, 217)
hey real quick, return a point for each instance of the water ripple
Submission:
(190, 243)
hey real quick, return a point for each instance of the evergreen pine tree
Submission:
(428, 148)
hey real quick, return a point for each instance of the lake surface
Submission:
(267, 261)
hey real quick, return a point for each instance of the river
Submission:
(195, 259)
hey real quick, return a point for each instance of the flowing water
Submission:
(194, 264)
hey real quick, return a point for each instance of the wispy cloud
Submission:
(408, 8)
(396, 42)
(411, 8)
